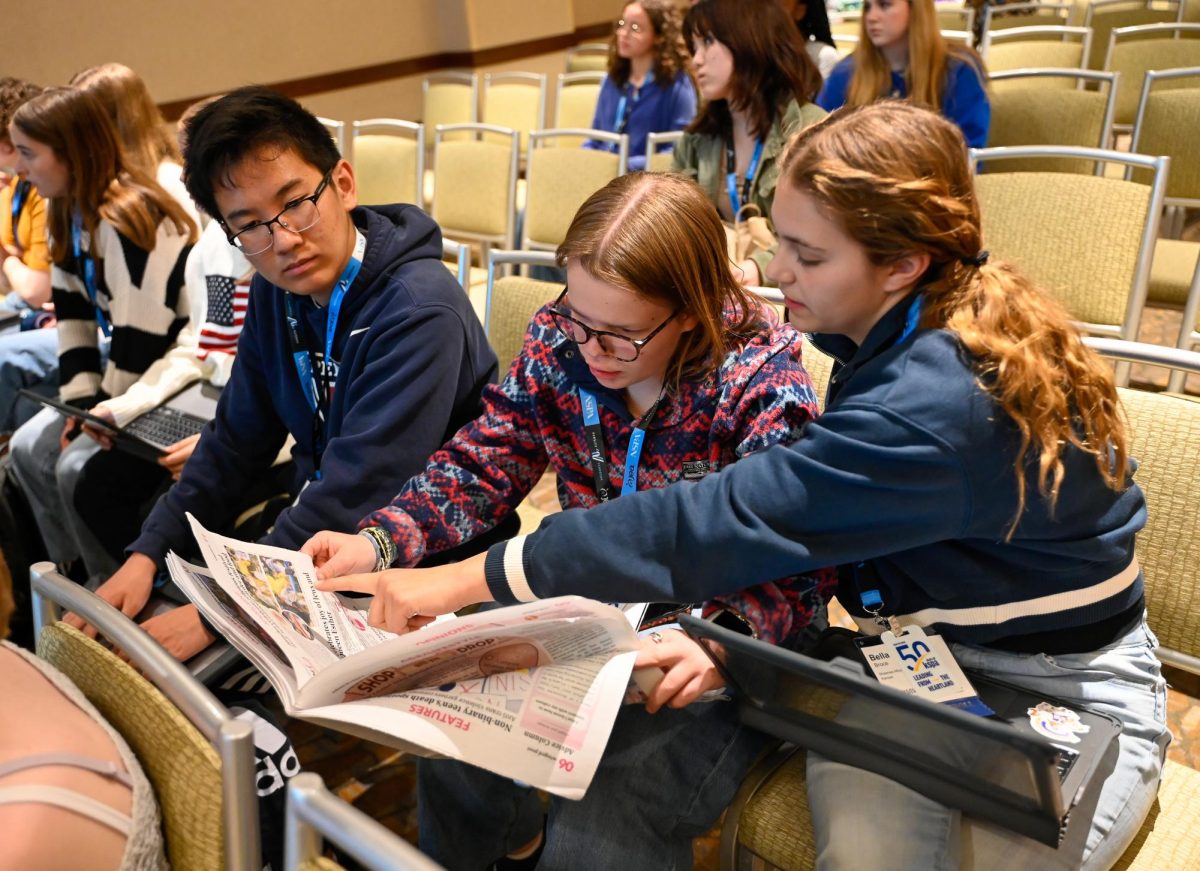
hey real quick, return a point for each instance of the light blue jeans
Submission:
(664, 779)
(30, 360)
(48, 476)
(863, 820)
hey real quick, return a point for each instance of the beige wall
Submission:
(184, 50)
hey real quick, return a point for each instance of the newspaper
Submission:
(529, 691)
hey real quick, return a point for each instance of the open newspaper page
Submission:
(529, 691)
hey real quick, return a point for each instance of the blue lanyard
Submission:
(624, 109)
(735, 201)
(599, 455)
(88, 262)
(20, 194)
(318, 395)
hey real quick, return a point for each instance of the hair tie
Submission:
(976, 261)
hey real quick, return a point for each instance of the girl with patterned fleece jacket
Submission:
(652, 348)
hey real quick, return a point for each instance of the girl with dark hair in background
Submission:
(759, 83)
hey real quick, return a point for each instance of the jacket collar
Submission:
(887, 333)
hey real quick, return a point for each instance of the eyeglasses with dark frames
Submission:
(297, 216)
(621, 347)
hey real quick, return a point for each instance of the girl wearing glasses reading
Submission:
(648, 88)
(653, 336)
(118, 242)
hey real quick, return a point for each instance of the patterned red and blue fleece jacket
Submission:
(760, 396)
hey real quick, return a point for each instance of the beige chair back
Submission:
(660, 150)
(1104, 16)
(1025, 15)
(557, 181)
(1050, 107)
(588, 57)
(516, 101)
(475, 182)
(201, 764)
(1133, 51)
(1168, 122)
(512, 301)
(389, 161)
(450, 98)
(575, 104)
(819, 366)
(1086, 239)
(1048, 47)
(955, 16)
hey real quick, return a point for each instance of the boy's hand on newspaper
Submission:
(180, 632)
(339, 553)
(128, 590)
(407, 599)
(689, 671)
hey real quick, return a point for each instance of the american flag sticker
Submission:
(227, 301)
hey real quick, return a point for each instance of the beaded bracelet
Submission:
(385, 548)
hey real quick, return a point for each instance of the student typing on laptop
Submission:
(969, 475)
(357, 342)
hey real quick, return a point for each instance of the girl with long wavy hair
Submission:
(140, 127)
(654, 333)
(969, 475)
(901, 53)
(118, 244)
(649, 88)
(758, 83)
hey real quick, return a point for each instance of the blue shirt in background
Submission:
(654, 110)
(965, 101)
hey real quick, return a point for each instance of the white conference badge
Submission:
(919, 663)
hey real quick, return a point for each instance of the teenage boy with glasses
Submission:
(357, 342)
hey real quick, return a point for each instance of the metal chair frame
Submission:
(314, 813)
(1019, 34)
(233, 739)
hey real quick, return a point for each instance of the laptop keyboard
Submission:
(164, 426)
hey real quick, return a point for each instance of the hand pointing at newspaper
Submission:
(407, 599)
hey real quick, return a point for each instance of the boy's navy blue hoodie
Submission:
(412, 358)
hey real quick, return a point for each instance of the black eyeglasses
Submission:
(631, 26)
(620, 347)
(297, 216)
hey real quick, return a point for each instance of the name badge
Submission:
(920, 664)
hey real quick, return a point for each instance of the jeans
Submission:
(48, 475)
(664, 780)
(863, 820)
(29, 360)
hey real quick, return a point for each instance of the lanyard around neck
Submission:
(88, 263)
(318, 393)
(629, 99)
(735, 201)
(594, 431)
(20, 194)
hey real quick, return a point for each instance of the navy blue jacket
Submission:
(906, 482)
(412, 357)
(964, 98)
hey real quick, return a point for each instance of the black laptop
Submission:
(149, 435)
(1003, 768)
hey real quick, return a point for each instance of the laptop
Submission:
(149, 435)
(1003, 768)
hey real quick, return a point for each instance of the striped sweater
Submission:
(141, 294)
(760, 396)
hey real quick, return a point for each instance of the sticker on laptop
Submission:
(1055, 723)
